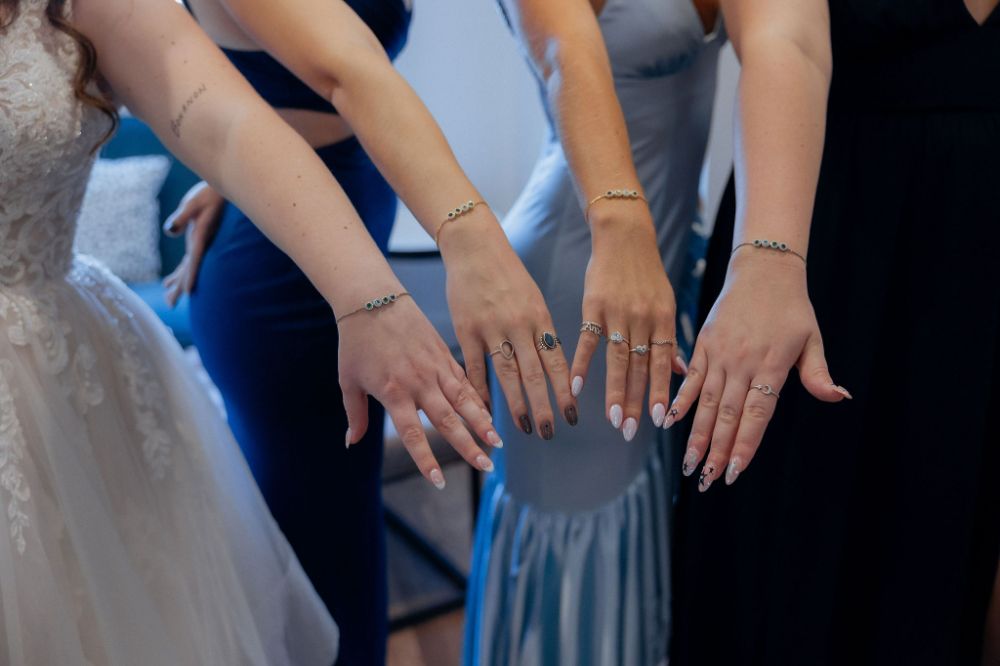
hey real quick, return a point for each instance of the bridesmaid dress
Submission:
(868, 532)
(571, 558)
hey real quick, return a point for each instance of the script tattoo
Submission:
(175, 124)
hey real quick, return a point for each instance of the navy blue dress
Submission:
(269, 341)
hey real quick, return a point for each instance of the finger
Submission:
(535, 386)
(727, 420)
(636, 379)
(175, 224)
(356, 406)
(585, 348)
(458, 372)
(689, 389)
(678, 363)
(202, 236)
(475, 365)
(554, 362)
(464, 399)
(617, 374)
(704, 421)
(411, 433)
(758, 408)
(174, 283)
(660, 366)
(508, 374)
(815, 375)
(447, 422)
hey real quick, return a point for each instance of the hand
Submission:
(198, 214)
(492, 300)
(395, 356)
(761, 325)
(627, 291)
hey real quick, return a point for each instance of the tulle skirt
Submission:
(134, 532)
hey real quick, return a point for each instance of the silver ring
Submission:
(547, 341)
(617, 338)
(641, 350)
(592, 327)
(765, 389)
(505, 349)
(665, 341)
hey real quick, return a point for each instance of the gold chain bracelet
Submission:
(456, 213)
(375, 304)
(613, 194)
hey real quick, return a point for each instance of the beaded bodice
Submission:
(47, 140)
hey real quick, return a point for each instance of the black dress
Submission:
(868, 532)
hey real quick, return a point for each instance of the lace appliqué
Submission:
(12, 446)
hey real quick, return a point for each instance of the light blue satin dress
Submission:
(571, 559)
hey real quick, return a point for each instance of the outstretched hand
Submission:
(197, 216)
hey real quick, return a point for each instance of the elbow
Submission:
(357, 65)
(809, 50)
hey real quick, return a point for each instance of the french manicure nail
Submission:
(671, 417)
(576, 386)
(525, 424)
(844, 392)
(705, 480)
(494, 439)
(616, 416)
(658, 413)
(571, 416)
(733, 471)
(690, 460)
(547, 431)
(437, 478)
(628, 430)
(347, 439)
(484, 463)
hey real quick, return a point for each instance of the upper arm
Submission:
(758, 25)
(551, 30)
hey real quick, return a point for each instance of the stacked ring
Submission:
(592, 327)
(617, 338)
(641, 350)
(505, 349)
(765, 389)
(547, 341)
(665, 341)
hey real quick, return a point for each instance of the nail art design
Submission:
(616, 416)
(576, 386)
(690, 460)
(671, 418)
(484, 463)
(547, 430)
(733, 471)
(629, 429)
(705, 480)
(842, 391)
(437, 478)
(494, 439)
(525, 424)
(658, 414)
(571, 416)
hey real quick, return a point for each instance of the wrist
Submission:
(474, 232)
(612, 228)
(758, 264)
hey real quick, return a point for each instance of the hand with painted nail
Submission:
(628, 296)
(394, 355)
(498, 311)
(197, 216)
(761, 326)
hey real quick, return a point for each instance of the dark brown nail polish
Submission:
(547, 430)
(571, 416)
(525, 424)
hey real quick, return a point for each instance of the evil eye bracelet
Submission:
(456, 213)
(764, 244)
(613, 194)
(375, 304)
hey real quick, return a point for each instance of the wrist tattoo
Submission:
(175, 124)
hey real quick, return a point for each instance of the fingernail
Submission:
(525, 424)
(616, 416)
(347, 439)
(547, 430)
(628, 430)
(494, 439)
(571, 415)
(659, 411)
(671, 417)
(168, 226)
(437, 478)
(488, 415)
(705, 480)
(682, 364)
(690, 460)
(733, 470)
(842, 391)
(576, 386)
(484, 463)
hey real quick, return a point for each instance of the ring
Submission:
(547, 341)
(641, 350)
(765, 389)
(617, 338)
(592, 327)
(665, 341)
(505, 349)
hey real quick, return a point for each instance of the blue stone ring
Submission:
(547, 341)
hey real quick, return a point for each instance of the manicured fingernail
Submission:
(844, 392)
(576, 386)
(494, 439)
(571, 415)
(547, 430)
(168, 226)
(659, 411)
(671, 417)
(682, 364)
(616, 416)
(437, 478)
(733, 470)
(628, 430)
(525, 424)
(347, 439)
(484, 463)
(488, 415)
(690, 460)
(705, 480)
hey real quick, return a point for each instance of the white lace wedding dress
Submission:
(132, 531)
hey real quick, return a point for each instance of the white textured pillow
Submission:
(119, 221)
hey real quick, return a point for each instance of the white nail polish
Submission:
(576, 386)
(494, 439)
(629, 429)
(484, 463)
(844, 392)
(733, 470)
(616, 416)
(659, 412)
(437, 478)
(347, 439)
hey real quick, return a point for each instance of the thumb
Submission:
(814, 374)
(356, 405)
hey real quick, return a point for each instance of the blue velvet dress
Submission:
(269, 341)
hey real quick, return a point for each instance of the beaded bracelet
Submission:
(770, 245)
(613, 194)
(456, 213)
(375, 304)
